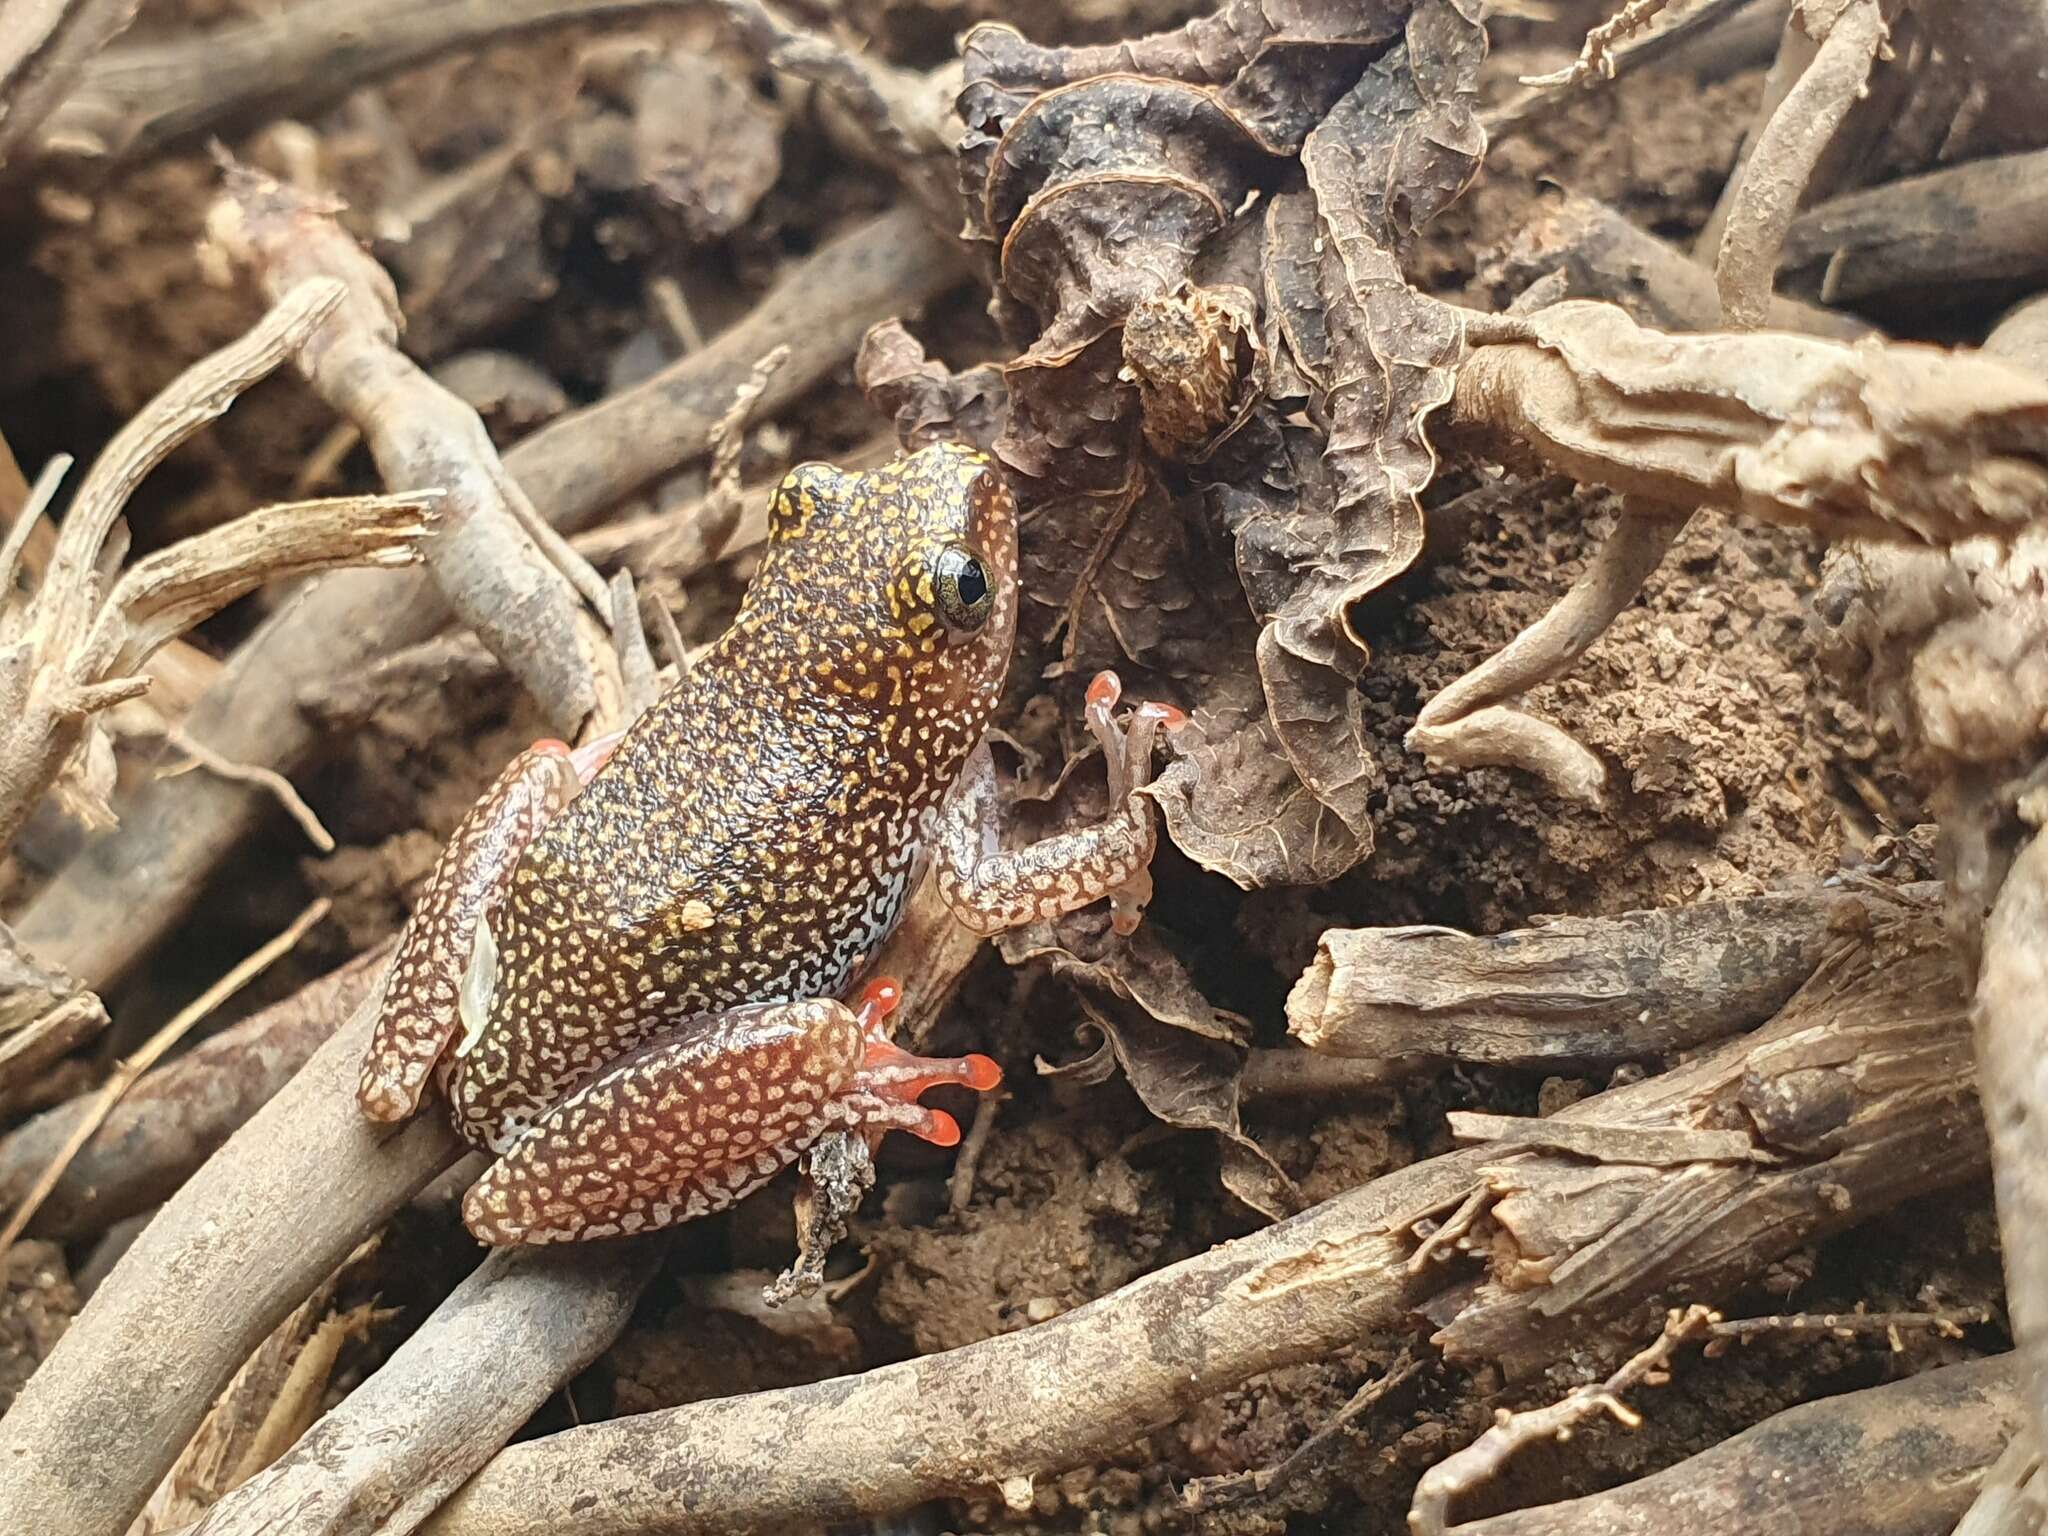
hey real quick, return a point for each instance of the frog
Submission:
(638, 973)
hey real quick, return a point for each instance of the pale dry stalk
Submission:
(1848, 36)
(517, 589)
(75, 645)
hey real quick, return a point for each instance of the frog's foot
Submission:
(884, 1093)
(689, 1124)
(421, 1008)
(991, 889)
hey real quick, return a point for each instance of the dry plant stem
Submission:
(178, 1115)
(1881, 440)
(1604, 256)
(45, 45)
(1716, 37)
(1897, 1460)
(1855, 1096)
(124, 1075)
(1790, 146)
(2012, 1080)
(1985, 221)
(1460, 728)
(65, 653)
(520, 1325)
(297, 1187)
(1876, 1053)
(976, 1415)
(138, 100)
(115, 902)
(1585, 992)
(1480, 1462)
(489, 569)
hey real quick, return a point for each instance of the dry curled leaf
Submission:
(1196, 238)
(1879, 439)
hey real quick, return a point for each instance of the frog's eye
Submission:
(966, 596)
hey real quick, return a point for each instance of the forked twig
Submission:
(1482, 1460)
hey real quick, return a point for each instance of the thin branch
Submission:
(1482, 1461)
(124, 1075)
(45, 46)
(65, 653)
(1776, 174)
(178, 1115)
(139, 99)
(486, 564)
(1460, 726)
(1897, 1460)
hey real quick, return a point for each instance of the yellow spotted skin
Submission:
(756, 834)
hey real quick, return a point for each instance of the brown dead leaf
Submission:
(1143, 204)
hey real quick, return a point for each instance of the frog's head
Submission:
(899, 583)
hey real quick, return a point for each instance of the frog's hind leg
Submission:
(422, 1000)
(991, 889)
(687, 1125)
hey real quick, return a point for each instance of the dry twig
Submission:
(2012, 1044)
(523, 1323)
(1878, 440)
(1897, 1460)
(124, 1075)
(1849, 35)
(73, 647)
(1572, 991)
(45, 46)
(1482, 1460)
(493, 573)
(178, 1115)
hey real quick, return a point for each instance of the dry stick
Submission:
(1578, 992)
(1464, 726)
(1786, 153)
(2012, 1044)
(72, 648)
(226, 1259)
(179, 1115)
(1985, 221)
(1604, 256)
(139, 99)
(1718, 35)
(45, 45)
(1896, 1460)
(113, 904)
(1481, 1461)
(496, 1350)
(123, 1077)
(2005, 1504)
(497, 580)
(1861, 1084)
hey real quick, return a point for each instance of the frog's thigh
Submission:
(991, 889)
(678, 1129)
(421, 1009)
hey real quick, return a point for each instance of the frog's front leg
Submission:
(686, 1125)
(992, 890)
(422, 1001)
